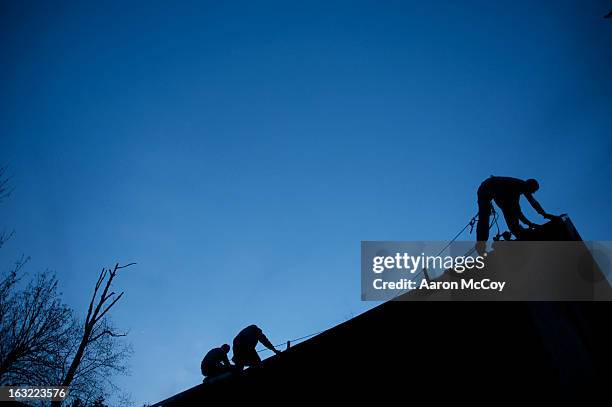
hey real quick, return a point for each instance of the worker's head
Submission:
(225, 347)
(532, 185)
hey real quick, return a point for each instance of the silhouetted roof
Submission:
(398, 350)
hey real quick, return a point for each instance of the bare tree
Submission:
(96, 352)
(43, 343)
(34, 324)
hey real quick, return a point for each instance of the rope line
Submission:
(293, 340)
(471, 225)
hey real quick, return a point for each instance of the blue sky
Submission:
(240, 151)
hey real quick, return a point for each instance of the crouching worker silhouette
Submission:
(506, 192)
(244, 347)
(216, 363)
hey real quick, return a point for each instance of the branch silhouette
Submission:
(95, 327)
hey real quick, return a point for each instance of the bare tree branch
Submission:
(117, 267)
(95, 349)
(106, 332)
(5, 188)
(43, 343)
(109, 307)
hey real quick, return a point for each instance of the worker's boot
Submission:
(481, 248)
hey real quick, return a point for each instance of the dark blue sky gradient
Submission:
(240, 151)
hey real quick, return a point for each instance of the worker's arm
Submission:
(226, 361)
(536, 205)
(266, 342)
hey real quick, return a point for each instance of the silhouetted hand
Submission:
(278, 352)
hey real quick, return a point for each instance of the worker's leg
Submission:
(252, 358)
(484, 213)
(239, 362)
(238, 358)
(512, 221)
(212, 370)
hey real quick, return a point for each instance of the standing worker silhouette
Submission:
(506, 192)
(244, 346)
